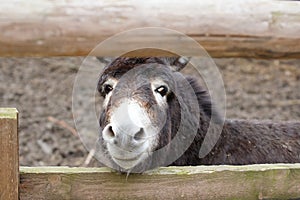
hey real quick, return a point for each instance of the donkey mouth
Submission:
(128, 163)
(127, 159)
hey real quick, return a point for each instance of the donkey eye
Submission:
(107, 88)
(162, 90)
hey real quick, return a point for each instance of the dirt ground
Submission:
(41, 89)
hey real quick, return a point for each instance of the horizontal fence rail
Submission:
(255, 28)
(267, 181)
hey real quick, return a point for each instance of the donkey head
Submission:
(138, 109)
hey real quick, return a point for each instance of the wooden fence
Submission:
(268, 181)
(277, 181)
(250, 28)
(9, 154)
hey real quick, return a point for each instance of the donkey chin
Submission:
(125, 158)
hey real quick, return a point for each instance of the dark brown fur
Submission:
(241, 141)
(247, 142)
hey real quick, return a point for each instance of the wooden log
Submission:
(268, 181)
(256, 28)
(9, 154)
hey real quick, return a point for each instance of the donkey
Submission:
(143, 110)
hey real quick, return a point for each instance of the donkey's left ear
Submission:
(178, 63)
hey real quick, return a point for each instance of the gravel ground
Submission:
(41, 89)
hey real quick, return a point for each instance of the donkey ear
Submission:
(106, 60)
(178, 63)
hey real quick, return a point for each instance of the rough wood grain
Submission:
(251, 28)
(9, 154)
(279, 181)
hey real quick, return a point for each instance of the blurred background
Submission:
(41, 89)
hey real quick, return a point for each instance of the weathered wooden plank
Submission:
(278, 181)
(252, 28)
(9, 154)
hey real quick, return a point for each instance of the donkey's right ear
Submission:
(179, 63)
(106, 60)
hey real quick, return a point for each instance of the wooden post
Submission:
(9, 154)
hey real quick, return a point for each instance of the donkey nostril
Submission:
(140, 135)
(111, 132)
(108, 133)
